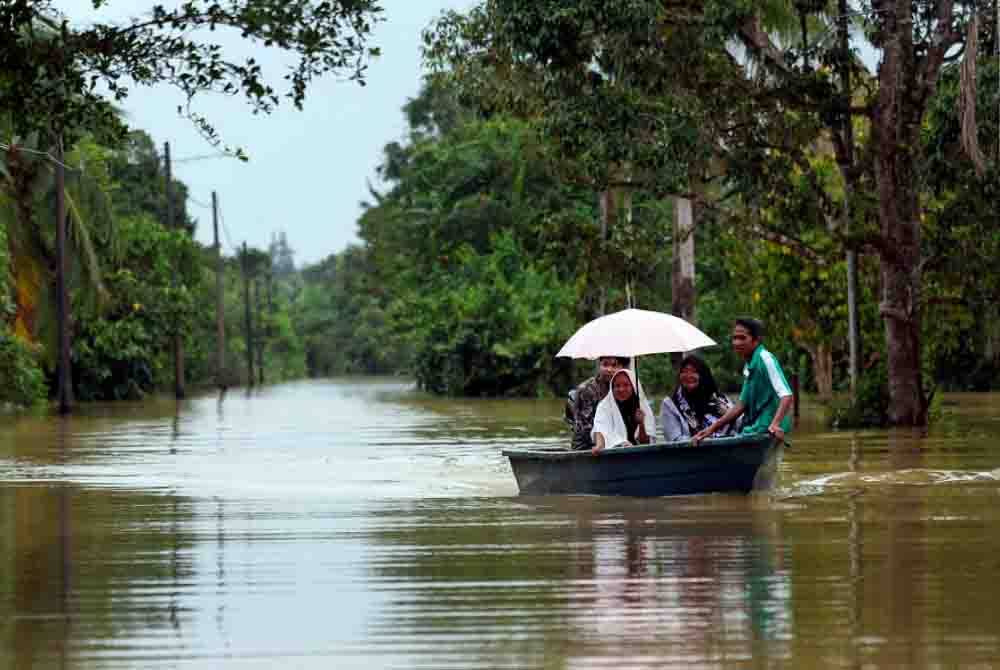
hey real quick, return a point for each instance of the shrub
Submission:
(22, 382)
(870, 406)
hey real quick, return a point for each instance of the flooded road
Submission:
(356, 524)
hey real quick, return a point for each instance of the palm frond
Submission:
(78, 234)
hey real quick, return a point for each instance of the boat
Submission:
(720, 465)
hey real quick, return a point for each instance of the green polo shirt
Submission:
(764, 384)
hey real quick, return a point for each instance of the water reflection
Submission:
(586, 581)
(236, 531)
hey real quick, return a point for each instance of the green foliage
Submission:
(961, 239)
(340, 316)
(138, 183)
(487, 325)
(870, 405)
(62, 72)
(22, 382)
(121, 349)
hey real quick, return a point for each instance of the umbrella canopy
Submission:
(634, 332)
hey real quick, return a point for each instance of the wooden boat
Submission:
(728, 464)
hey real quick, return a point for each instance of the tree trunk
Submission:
(682, 280)
(822, 360)
(609, 214)
(897, 119)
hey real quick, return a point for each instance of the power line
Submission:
(202, 157)
(198, 202)
(44, 154)
(225, 231)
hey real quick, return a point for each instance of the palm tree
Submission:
(28, 189)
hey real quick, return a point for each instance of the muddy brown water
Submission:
(353, 523)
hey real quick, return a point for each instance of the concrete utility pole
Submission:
(179, 391)
(65, 380)
(853, 321)
(220, 308)
(262, 330)
(270, 303)
(244, 266)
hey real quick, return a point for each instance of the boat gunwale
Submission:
(561, 453)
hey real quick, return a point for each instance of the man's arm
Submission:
(734, 412)
(583, 419)
(784, 405)
(785, 398)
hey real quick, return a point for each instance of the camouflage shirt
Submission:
(588, 394)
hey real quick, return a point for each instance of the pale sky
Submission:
(307, 169)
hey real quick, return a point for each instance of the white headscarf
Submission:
(609, 421)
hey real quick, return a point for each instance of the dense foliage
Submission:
(534, 190)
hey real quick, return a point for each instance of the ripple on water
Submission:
(356, 524)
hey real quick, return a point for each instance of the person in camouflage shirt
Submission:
(582, 405)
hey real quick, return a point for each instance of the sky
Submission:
(308, 169)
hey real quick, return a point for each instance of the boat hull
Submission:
(724, 465)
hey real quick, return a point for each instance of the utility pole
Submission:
(270, 302)
(853, 321)
(178, 336)
(220, 310)
(65, 382)
(259, 300)
(245, 266)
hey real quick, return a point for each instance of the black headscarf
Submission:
(627, 407)
(701, 399)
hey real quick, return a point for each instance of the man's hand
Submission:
(777, 433)
(700, 435)
(596, 450)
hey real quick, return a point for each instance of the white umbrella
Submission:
(634, 332)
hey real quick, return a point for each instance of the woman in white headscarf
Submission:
(624, 416)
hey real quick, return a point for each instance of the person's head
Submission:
(609, 365)
(747, 334)
(695, 377)
(621, 386)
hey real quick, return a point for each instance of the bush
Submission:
(488, 327)
(870, 406)
(22, 382)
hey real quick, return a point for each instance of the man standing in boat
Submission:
(766, 398)
(585, 398)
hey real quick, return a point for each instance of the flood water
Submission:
(356, 524)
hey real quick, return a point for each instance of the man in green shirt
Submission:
(765, 398)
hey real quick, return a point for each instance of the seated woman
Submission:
(624, 416)
(695, 404)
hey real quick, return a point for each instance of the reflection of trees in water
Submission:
(78, 566)
(602, 578)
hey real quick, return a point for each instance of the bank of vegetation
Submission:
(564, 160)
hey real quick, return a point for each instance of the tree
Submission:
(69, 76)
(766, 107)
(598, 80)
(60, 71)
(915, 41)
